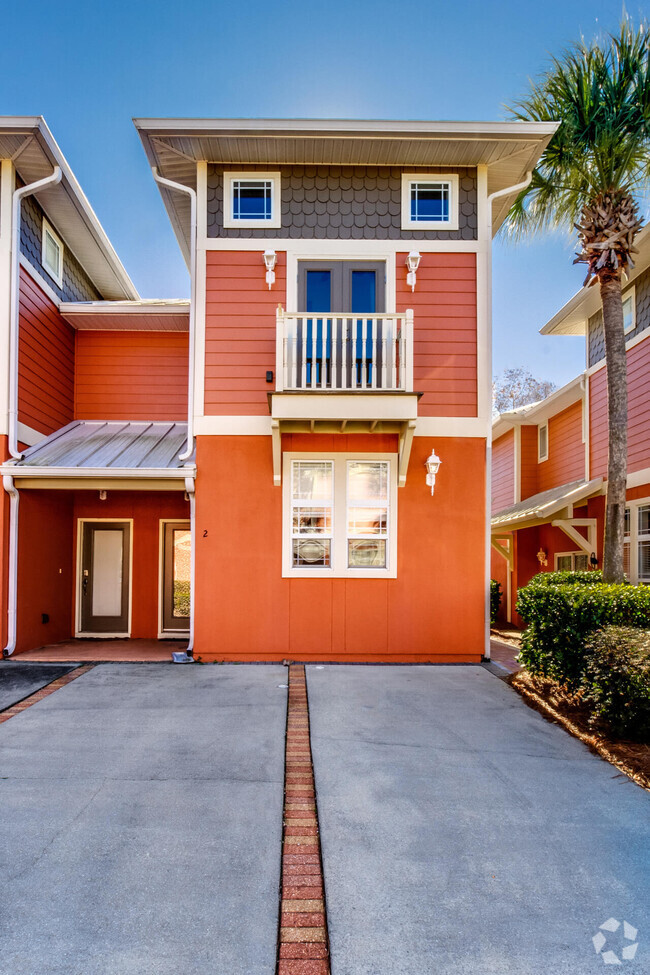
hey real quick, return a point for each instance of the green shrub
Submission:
(495, 600)
(562, 610)
(616, 680)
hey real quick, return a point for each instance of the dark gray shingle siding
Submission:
(596, 332)
(342, 203)
(77, 286)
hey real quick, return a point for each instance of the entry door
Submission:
(105, 577)
(177, 552)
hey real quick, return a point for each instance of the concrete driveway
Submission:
(141, 811)
(462, 834)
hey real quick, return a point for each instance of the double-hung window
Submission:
(636, 545)
(251, 200)
(429, 201)
(340, 516)
(52, 253)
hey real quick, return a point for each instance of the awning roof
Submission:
(544, 506)
(86, 446)
(174, 146)
(145, 315)
(28, 142)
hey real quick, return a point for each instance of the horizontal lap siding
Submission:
(503, 471)
(528, 461)
(638, 386)
(131, 375)
(444, 346)
(566, 451)
(240, 331)
(45, 361)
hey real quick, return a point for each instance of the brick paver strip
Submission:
(303, 946)
(44, 691)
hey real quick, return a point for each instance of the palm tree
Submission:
(590, 178)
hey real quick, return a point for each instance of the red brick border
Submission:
(44, 691)
(303, 948)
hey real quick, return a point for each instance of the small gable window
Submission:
(429, 202)
(52, 254)
(542, 442)
(629, 310)
(251, 199)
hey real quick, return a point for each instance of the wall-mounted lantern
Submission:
(542, 557)
(270, 260)
(593, 560)
(412, 262)
(102, 495)
(432, 464)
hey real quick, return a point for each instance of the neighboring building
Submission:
(339, 334)
(549, 460)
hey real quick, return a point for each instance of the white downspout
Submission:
(12, 594)
(517, 188)
(170, 184)
(15, 303)
(187, 656)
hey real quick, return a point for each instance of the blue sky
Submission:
(90, 67)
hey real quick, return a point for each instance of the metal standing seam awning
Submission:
(96, 454)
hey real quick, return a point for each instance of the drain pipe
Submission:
(187, 656)
(12, 593)
(517, 188)
(181, 188)
(18, 196)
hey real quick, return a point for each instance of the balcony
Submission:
(344, 373)
(340, 353)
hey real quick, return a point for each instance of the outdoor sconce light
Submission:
(432, 464)
(102, 495)
(541, 557)
(412, 263)
(593, 560)
(270, 259)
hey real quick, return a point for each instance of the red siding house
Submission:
(249, 469)
(549, 460)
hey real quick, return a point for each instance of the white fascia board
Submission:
(559, 400)
(344, 406)
(139, 307)
(164, 473)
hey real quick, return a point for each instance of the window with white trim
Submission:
(542, 442)
(629, 310)
(52, 253)
(571, 562)
(339, 516)
(636, 544)
(251, 199)
(429, 201)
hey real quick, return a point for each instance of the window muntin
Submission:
(340, 516)
(571, 562)
(429, 201)
(629, 310)
(52, 253)
(542, 442)
(251, 199)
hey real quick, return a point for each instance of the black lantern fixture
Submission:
(593, 560)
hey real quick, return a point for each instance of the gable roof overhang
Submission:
(542, 508)
(534, 413)
(151, 315)
(174, 146)
(29, 144)
(573, 317)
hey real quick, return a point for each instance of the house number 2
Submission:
(205, 533)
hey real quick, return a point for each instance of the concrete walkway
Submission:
(462, 834)
(142, 824)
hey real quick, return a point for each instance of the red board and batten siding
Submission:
(131, 375)
(638, 411)
(45, 361)
(566, 450)
(503, 471)
(240, 331)
(444, 346)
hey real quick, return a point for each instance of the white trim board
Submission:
(40, 281)
(260, 426)
(309, 246)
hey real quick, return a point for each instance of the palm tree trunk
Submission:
(610, 292)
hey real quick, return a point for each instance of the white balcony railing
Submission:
(344, 352)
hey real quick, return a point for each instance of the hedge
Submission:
(495, 600)
(616, 680)
(562, 609)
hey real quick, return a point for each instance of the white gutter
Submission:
(12, 594)
(15, 303)
(105, 473)
(488, 443)
(181, 188)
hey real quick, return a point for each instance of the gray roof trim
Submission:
(113, 448)
(28, 142)
(542, 507)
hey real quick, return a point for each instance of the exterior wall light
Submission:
(102, 495)
(412, 263)
(270, 259)
(542, 557)
(593, 560)
(432, 464)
